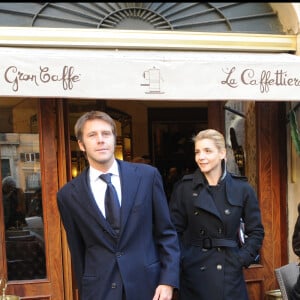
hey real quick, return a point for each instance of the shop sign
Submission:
(146, 75)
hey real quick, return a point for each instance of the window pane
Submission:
(21, 190)
(241, 139)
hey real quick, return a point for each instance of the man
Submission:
(139, 260)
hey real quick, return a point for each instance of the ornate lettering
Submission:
(264, 79)
(229, 80)
(67, 77)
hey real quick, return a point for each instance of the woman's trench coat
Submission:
(212, 258)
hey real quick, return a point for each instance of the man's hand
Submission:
(163, 292)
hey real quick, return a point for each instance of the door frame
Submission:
(271, 167)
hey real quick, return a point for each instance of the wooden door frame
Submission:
(52, 286)
(64, 170)
(48, 126)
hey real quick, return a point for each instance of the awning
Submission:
(148, 75)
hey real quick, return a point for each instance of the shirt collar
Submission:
(94, 173)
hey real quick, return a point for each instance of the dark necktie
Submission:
(112, 204)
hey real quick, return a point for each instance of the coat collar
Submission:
(203, 198)
(199, 178)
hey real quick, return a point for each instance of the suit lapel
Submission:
(83, 195)
(130, 181)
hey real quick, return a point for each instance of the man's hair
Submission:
(92, 115)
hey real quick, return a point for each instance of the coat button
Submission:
(113, 285)
(202, 268)
(227, 212)
(196, 213)
(119, 254)
(219, 267)
(219, 230)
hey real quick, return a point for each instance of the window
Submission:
(21, 190)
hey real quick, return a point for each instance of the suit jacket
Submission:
(146, 253)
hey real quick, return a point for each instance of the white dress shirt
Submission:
(98, 186)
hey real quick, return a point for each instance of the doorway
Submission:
(170, 129)
(171, 146)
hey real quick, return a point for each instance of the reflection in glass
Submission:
(21, 190)
(240, 129)
(14, 204)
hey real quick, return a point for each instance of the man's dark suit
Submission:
(145, 255)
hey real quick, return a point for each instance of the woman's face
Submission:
(208, 157)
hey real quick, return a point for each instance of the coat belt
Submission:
(209, 243)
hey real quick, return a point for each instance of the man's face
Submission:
(98, 142)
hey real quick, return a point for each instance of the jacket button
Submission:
(202, 268)
(196, 213)
(219, 267)
(113, 285)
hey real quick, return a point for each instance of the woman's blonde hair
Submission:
(213, 135)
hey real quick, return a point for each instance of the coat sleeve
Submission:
(254, 229)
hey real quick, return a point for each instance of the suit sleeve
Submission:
(166, 236)
(178, 211)
(74, 239)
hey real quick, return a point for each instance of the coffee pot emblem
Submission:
(153, 80)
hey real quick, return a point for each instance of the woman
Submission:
(207, 208)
